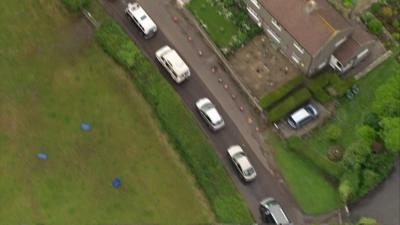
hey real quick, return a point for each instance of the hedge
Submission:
(288, 105)
(330, 168)
(189, 141)
(75, 5)
(271, 98)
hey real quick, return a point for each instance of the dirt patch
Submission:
(261, 67)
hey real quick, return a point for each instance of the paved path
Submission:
(383, 203)
(240, 126)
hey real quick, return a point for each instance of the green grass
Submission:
(52, 80)
(350, 114)
(313, 193)
(220, 29)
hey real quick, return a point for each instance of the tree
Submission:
(348, 186)
(387, 98)
(367, 134)
(391, 133)
(355, 155)
(375, 26)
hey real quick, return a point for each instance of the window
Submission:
(297, 46)
(255, 3)
(275, 23)
(363, 53)
(254, 16)
(340, 41)
(295, 58)
(274, 36)
(321, 65)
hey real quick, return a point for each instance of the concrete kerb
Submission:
(222, 58)
(373, 65)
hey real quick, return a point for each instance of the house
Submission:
(311, 33)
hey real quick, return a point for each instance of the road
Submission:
(204, 83)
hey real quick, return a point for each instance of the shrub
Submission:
(330, 168)
(396, 25)
(333, 132)
(268, 100)
(372, 120)
(316, 86)
(355, 155)
(189, 141)
(376, 7)
(366, 134)
(348, 3)
(348, 186)
(387, 12)
(375, 26)
(288, 105)
(75, 5)
(369, 180)
(396, 36)
(366, 17)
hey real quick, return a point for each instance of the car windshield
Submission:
(248, 172)
(208, 106)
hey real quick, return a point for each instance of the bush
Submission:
(366, 17)
(333, 132)
(348, 186)
(355, 155)
(320, 84)
(75, 5)
(369, 180)
(189, 141)
(316, 86)
(288, 105)
(396, 36)
(372, 120)
(268, 100)
(387, 12)
(396, 25)
(366, 134)
(330, 168)
(376, 7)
(375, 26)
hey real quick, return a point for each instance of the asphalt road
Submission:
(266, 184)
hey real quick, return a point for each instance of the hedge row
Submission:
(319, 86)
(332, 169)
(288, 105)
(75, 5)
(187, 138)
(271, 98)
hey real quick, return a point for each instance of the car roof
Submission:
(177, 63)
(300, 115)
(242, 159)
(213, 115)
(141, 16)
(278, 214)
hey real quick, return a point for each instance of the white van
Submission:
(173, 63)
(141, 19)
(302, 116)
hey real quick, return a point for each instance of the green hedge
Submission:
(188, 139)
(75, 5)
(271, 98)
(288, 105)
(330, 168)
(319, 86)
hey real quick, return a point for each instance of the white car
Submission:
(272, 212)
(210, 114)
(141, 19)
(242, 163)
(173, 63)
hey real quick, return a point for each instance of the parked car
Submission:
(141, 19)
(173, 63)
(242, 163)
(302, 116)
(272, 213)
(210, 114)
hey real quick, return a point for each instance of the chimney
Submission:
(311, 6)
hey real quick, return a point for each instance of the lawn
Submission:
(350, 114)
(313, 193)
(220, 29)
(53, 78)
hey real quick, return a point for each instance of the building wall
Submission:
(302, 59)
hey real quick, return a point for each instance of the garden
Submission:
(225, 21)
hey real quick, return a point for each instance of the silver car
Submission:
(242, 163)
(272, 213)
(210, 114)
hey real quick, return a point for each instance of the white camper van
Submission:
(141, 19)
(173, 63)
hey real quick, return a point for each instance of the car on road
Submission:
(210, 114)
(302, 116)
(173, 63)
(242, 163)
(141, 19)
(272, 212)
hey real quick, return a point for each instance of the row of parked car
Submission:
(179, 71)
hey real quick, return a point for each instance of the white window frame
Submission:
(295, 58)
(340, 41)
(254, 15)
(275, 23)
(363, 53)
(322, 65)
(297, 46)
(256, 3)
(275, 36)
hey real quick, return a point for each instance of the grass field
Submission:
(53, 78)
(313, 193)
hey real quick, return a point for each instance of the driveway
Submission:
(209, 80)
(383, 203)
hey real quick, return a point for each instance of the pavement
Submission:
(208, 79)
(383, 203)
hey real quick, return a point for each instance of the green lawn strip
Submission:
(189, 141)
(350, 114)
(287, 105)
(53, 79)
(220, 29)
(271, 98)
(313, 193)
